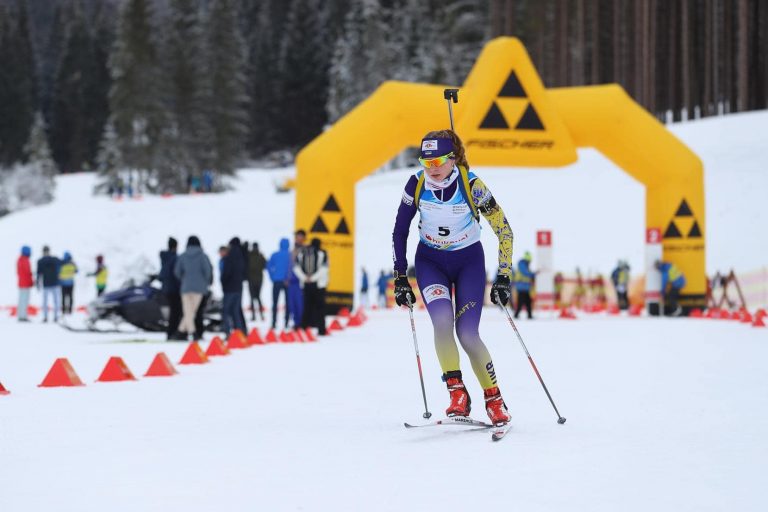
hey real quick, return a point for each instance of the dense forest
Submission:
(172, 88)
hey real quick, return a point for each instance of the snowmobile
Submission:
(143, 306)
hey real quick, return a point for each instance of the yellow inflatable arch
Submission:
(506, 118)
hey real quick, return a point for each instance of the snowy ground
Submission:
(663, 414)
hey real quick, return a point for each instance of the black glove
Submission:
(403, 291)
(503, 288)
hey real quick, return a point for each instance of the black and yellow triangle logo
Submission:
(684, 215)
(494, 119)
(327, 216)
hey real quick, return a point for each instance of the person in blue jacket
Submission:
(381, 284)
(672, 281)
(523, 283)
(279, 269)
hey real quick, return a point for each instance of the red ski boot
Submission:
(461, 404)
(495, 407)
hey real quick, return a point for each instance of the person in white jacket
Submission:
(312, 270)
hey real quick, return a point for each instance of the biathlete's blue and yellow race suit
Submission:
(450, 258)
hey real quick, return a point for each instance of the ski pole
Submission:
(451, 94)
(426, 414)
(560, 419)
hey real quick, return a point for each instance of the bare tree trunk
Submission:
(742, 69)
(650, 58)
(509, 17)
(618, 55)
(595, 36)
(686, 63)
(715, 61)
(673, 71)
(579, 50)
(727, 77)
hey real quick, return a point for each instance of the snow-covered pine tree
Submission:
(32, 183)
(188, 134)
(304, 64)
(109, 160)
(18, 93)
(137, 92)
(262, 86)
(71, 94)
(227, 101)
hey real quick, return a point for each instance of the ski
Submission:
(459, 421)
(499, 432)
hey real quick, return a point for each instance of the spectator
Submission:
(523, 282)
(256, 264)
(312, 271)
(364, 289)
(67, 272)
(672, 281)
(382, 284)
(24, 274)
(48, 280)
(171, 288)
(101, 275)
(620, 280)
(279, 269)
(195, 274)
(232, 276)
(295, 293)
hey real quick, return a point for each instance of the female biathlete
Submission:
(449, 256)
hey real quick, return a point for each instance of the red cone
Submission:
(194, 355)
(61, 374)
(354, 321)
(3, 391)
(335, 325)
(217, 348)
(343, 312)
(254, 338)
(115, 371)
(310, 337)
(758, 322)
(271, 337)
(161, 367)
(300, 336)
(237, 340)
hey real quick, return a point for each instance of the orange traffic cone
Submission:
(115, 371)
(335, 325)
(254, 338)
(217, 348)
(237, 340)
(310, 337)
(194, 355)
(61, 374)
(161, 367)
(3, 391)
(354, 321)
(271, 337)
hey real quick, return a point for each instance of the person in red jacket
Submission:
(24, 273)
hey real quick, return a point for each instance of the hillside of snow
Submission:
(595, 210)
(663, 414)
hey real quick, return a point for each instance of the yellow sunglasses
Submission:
(435, 162)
